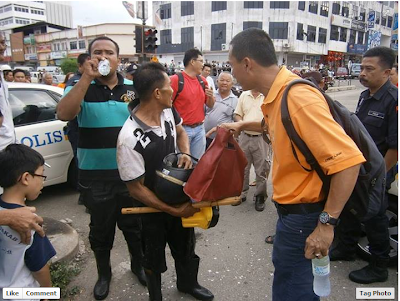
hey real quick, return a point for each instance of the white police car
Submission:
(33, 107)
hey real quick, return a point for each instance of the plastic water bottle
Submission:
(321, 270)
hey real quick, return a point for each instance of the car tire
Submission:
(391, 213)
(73, 174)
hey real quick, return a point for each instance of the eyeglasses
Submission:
(44, 177)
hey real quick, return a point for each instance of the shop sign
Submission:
(341, 21)
(374, 39)
(58, 55)
(358, 25)
(371, 19)
(356, 48)
(43, 48)
(30, 56)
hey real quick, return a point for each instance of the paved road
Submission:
(236, 263)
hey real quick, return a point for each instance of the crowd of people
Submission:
(122, 128)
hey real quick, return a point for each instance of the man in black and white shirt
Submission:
(153, 131)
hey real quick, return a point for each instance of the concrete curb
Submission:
(343, 88)
(64, 239)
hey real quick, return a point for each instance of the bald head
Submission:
(225, 82)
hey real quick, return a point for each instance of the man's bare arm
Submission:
(141, 193)
(43, 276)
(391, 158)
(342, 185)
(239, 126)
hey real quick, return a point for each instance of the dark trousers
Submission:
(348, 232)
(293, 278)
(158, 229)
(104, 201)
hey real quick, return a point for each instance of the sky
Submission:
(91, 12)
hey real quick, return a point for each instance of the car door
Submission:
(36, 126)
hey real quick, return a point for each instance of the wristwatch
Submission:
(326, 219)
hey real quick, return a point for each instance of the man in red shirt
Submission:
(190, 101)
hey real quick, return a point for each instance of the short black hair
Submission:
(190, 55)
(15, 71)
(27, 73)
(82, 58)
(207, 65)
(387, 57)
(317, 76)
(256, 44)
(5, 72)
(148, 77)
(103, 38)
(15, 160)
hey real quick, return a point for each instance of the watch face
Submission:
(324, 217)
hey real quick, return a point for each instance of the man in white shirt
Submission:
(206, 73)
(7, 133)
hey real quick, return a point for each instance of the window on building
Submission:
(384, 20)
(252, 24)
(334, 33)
(362, 14)
(187, 35)
(343, 34)
(355, 12)
(313, 7)
(352, 38)
(360, 38)
(187, 8)
(322, 33)
(300, 32)
(302, 5)
(336, 8)
(377, 17)
(278, 30)
(73, 45)
(218, 5)
(82, 44)
(22, 21)
(311, 33)
(390, 22)
(165, 36)
(253, 4)
(345, 9)
(324, 9)
(165, 11)
(279, 4)
(37, 12)
(6, 21)
(7, 8)
(22, 9)
(218, 36)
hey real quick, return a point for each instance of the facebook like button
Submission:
(51, 293)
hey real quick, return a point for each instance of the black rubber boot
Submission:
(136, 254)
(375, 271)
(153, 285)
(186, 273)
(102, 285)
(260, 203)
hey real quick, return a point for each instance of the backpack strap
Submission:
(203, 85)
(295, 139)
(181, 82)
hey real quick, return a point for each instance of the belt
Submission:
(300, 208)
(194, 125)
(258, 135)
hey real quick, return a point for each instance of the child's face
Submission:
(35, 184)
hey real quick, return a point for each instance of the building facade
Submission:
(305, 33)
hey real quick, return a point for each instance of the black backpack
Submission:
(369, 191)
(181, 82)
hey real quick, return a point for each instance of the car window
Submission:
(31, 106)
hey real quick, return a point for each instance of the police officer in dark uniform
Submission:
(377, 110)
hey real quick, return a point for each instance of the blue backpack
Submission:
(369, 191)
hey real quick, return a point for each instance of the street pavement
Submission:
(235, 261)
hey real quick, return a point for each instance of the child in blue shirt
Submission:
(21, 176)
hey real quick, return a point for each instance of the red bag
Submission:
(220, 171)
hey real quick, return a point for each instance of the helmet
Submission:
(171, 179)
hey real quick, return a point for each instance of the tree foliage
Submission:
(69, 65)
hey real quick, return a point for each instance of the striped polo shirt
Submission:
(103, 113)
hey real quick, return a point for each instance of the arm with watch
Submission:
(342, 185)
